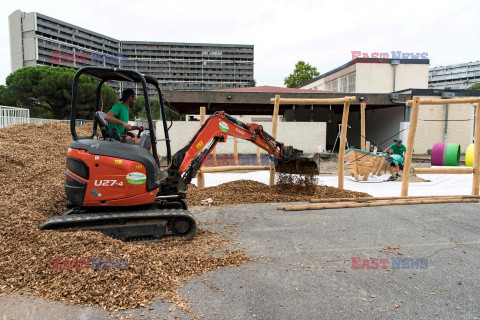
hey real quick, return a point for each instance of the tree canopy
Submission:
(138, 110)
(476, 86)
(47, 92)
(302, 73)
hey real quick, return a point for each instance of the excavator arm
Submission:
(187, 161)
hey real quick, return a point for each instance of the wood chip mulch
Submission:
(248, 191)
(32, 168)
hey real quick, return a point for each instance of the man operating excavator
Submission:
(119, 115)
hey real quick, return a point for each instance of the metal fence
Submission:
(12, 115)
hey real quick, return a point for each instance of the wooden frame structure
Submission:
(235, 167)
(415, 103)
(343, 134)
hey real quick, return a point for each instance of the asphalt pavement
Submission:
(396, 262)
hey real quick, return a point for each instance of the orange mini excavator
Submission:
(119, 188)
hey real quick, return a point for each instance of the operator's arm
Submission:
(110, 117)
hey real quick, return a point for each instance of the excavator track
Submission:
(145, 224)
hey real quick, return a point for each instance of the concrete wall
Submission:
(378, 77)
(301, 135)
(23, 47)
(430, 132)
(16, 51)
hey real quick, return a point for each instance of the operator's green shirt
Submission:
(398, 149)
(396, 159)
(120, 111)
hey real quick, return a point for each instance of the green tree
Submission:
(476, 86)
(47, 92)
(138, 110)
(302, 73)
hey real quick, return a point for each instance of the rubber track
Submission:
(92, 220)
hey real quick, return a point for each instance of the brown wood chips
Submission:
(60, 266)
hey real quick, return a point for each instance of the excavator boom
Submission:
(187, 161)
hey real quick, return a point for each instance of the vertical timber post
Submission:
(343, 138)
(362, 125)
(410, 140)
(214, 155)
(276, 107)
(200, 176)
(258, 156)
(235, 151)
(476, 152)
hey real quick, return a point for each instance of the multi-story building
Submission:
(457, 76)
(373, 75)
(36, 39)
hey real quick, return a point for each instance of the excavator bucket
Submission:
(302, 163)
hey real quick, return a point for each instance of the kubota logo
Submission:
(136, 178)
(223, 126)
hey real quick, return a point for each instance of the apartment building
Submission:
(457, 76)
(36, 39)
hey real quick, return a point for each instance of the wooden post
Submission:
(476, 152)
(214, 155)
(343, 138)
(200, 176)
(235, 151)
(367, 146)
(259, 161)
(410, 140)
(362, 125)
(276, 107)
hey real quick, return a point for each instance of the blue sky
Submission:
(322, 33)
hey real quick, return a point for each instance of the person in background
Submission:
(397, 148)
(395, 163)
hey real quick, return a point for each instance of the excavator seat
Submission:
(103, 124)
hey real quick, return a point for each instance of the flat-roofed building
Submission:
(373, 75)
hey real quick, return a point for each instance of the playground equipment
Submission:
(446, 154)
(469, 155)
(415, 103)
(363, 163)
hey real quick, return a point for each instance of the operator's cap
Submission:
(398, 141)
(126, 94)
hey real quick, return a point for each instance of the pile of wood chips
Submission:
(248, 191)
(32, 169)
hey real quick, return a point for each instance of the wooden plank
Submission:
(321, 206)
(314, 101)
(408, 154)
(445, 101)
(355, 167)
(343, 138)
(362, 125)
(259, 161)
(200, 177)
(363, 199)
(443, 170)
(232, 168)
(476, 153)
(276, 108)
(367, 146)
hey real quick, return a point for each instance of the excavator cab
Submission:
(113, 186)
